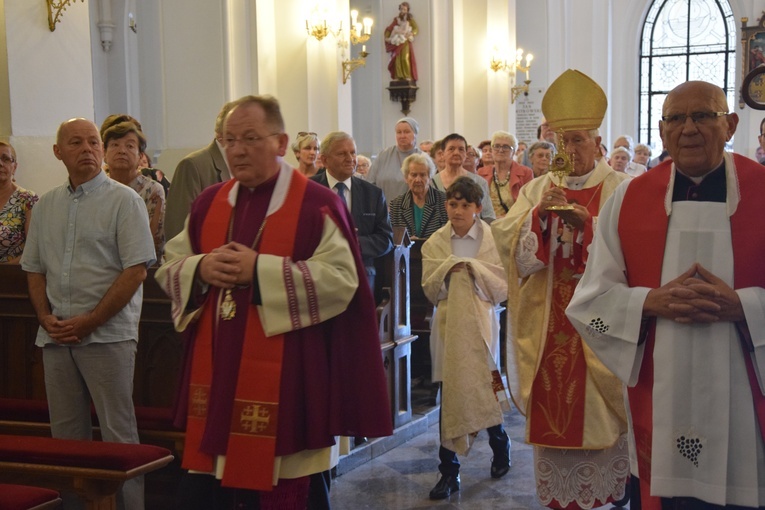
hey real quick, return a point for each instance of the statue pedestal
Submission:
(404, 92)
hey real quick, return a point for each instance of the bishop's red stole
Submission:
(252, 438)
(557, 413)
(643, 224)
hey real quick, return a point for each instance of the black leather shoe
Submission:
(499, 466)
(445, 486)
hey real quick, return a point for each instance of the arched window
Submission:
(684, 40)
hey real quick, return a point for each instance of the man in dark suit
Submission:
(365, 200)
(194, 173)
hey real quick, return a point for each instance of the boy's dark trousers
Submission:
(498, 440)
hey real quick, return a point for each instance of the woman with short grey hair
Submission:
(422, 209)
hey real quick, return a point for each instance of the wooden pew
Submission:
(30, 418)
(157, 373)
(95, 470)
(395, 328)
(158, 360)
(24, 497)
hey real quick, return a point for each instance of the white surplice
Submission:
(706, 443)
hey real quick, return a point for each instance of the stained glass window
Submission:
(683, 40)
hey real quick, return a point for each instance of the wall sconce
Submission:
(359, 34)
(318, 30)
(56, 11)
(496, 65)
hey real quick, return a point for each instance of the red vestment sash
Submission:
(252, 439)
(557, 408)
(643, 238)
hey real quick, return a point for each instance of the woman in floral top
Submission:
(16, 209)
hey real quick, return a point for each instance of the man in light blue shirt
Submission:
(86, 257)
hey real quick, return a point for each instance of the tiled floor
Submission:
(402, 477)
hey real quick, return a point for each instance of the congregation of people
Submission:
(634, 342)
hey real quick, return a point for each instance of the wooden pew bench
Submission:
(24, 497)
(30, 418)
(95, 470)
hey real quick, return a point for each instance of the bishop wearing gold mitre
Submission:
(575, 414)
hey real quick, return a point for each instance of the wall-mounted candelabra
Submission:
(359, 33)
(498, 64)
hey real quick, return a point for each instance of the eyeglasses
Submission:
(248, 140)
(304, 133)
(502, 148)
(7, 160)
(700, 118)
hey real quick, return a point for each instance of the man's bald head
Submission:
(79, 147)
(695, 126)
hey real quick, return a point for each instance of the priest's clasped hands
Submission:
(696, 296)
(228, 266)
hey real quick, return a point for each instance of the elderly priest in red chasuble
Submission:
(283, 352)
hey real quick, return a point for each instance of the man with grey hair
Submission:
(422, 209)
(672, 303)
(365, 201)
(86, 255)
(194, 173)
(386, 168)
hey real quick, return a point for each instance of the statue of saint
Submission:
(398, 42)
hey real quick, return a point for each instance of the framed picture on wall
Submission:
(753, 54)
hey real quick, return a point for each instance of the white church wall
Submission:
(49, 80)
(181, 64)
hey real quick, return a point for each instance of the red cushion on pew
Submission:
(22, 497)
(19, 409)
(75, 453)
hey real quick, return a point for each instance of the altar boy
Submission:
(463, 276)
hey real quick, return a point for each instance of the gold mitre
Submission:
(574, 102)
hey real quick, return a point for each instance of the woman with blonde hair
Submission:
(306, 149)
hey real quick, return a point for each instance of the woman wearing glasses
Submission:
(306, 149)
(506, 176)
(16, 210)
(473, 157)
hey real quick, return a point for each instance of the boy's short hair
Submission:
(465, 188)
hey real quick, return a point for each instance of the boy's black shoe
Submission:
(499, 466)
(445, 486)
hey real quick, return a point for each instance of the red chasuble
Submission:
(252, 441)
(294, 391)
(643, 238)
